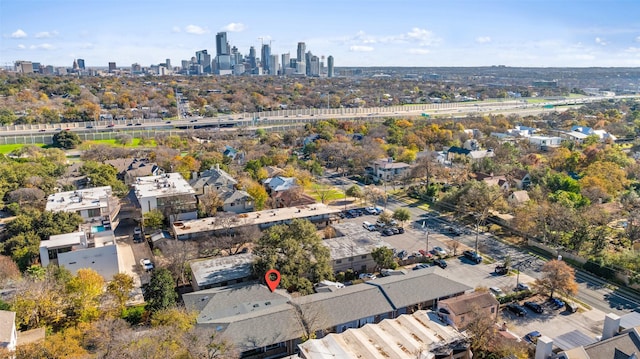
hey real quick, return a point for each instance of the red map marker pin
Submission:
(272, 277)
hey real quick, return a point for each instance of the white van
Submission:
(369, 226)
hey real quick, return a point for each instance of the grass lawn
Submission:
(6, 149)
(134, 143)
(321, 191)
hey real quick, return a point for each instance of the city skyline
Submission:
(542, 33)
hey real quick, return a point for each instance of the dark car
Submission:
(473, 256)
(138, 238)
(501, 269)
(533, 336)
(388, 232)
(556, 303)
(517, 309)
(535, 307)
(400, 230)
(440, 263)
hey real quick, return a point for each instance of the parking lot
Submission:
(554, 323)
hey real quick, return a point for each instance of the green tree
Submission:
(259, 195)
(84, 290)
(384, 258)
(153, 219)
(66, 139)
(297, 252)
(160, 292)
(103, 175)
(402, 215)
(354, 191)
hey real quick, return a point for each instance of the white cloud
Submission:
(234, 27)
(418, 51)
(423, 36)
(18, 34)
(175, 29)
(638, 39)
(21, 47)
(42, 47)
(196, 30)
(360, 48)
(46, 34)
(600, 41)
(483, 39)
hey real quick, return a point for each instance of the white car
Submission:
(497, 292)
(371, 210)
(439, 251)
(367, 276)
(147, 264)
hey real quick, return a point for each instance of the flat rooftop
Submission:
(73, 201)
(218, 270)
(105, 238)
(354, 244)
(165, 185)
(253, 218)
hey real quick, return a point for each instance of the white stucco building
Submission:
(97, 206)
(169, 193)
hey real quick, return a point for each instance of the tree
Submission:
(384, 258)
(557, 276)
(153, 219)
(66, 139)
(374, 194)
(120, 288)
(9, 271)
(258, 193)
(160, 292)
(84, 291)
(354, 191)
(297, 252)
(209, 202)
(103, 175)
(402, 215)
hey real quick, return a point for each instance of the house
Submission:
(491, 180)
(521, 178)
(216, 180)
(285, 192)
(221, 271)
(233, 153)
(473, 155)
(387, 170)
(97, 206)
(575, 136)
(169, 193)
(279, 184)
(517, 198)
(8, 332)
(78, 250)
(130, 168)
(273, 171)
(545, 142)
(458, 311)
(409, 336)
(261, 323)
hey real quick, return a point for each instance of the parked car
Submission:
(522, 286)
(425, 253)
(535, 307)
(501, 269)
(367, 276)
(439, 251)
(388, 232)
(137, 230)
(473, 256)
(369, 226)
(421, 266)
(496, 291)
(440, 263)
(556, 303)
(533, 337)
(138, 238)
(371, 210)
(517, 309)
(571, 307)
(146, 264)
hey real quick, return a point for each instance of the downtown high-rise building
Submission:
(222, 46)
(265, 57)
(112, 66)
(330, 66)
(286, 64)
(253, 63)
(80, 64)
(204, 59)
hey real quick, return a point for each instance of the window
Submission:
(493, 310)
(351, 259)
(364, 257)
(93, 212)
(338, 261)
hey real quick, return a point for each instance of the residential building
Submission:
(521, 178)
(97, 206)
(491, 180)
(387, 170)
(458, 311)
(169, 193)
(473, 155)
(78, 250)
(205, 227)
(221, 271)
(8, 332)
(131, 168)
(279, 184)
(545, 142)
(285, 192)
(352, 247)
(212, 180)
(517, 198)
(410, 336)
(261, 323)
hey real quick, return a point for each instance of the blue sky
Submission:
(536, 33)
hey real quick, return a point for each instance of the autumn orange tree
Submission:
(557, 276)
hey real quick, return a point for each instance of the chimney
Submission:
(390, 160)
(544, 348)
(217, 166)
(194, 175)
(611, 326)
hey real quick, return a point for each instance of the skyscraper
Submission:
(285, 63)
(81, 64)
(265, 57)
(222, 46)
(252, 58)
(273, 65)
(112, 66)
(330, 66)
(204, 59)
(167, 63)
(301, 52)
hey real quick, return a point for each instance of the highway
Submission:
(291, 117)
